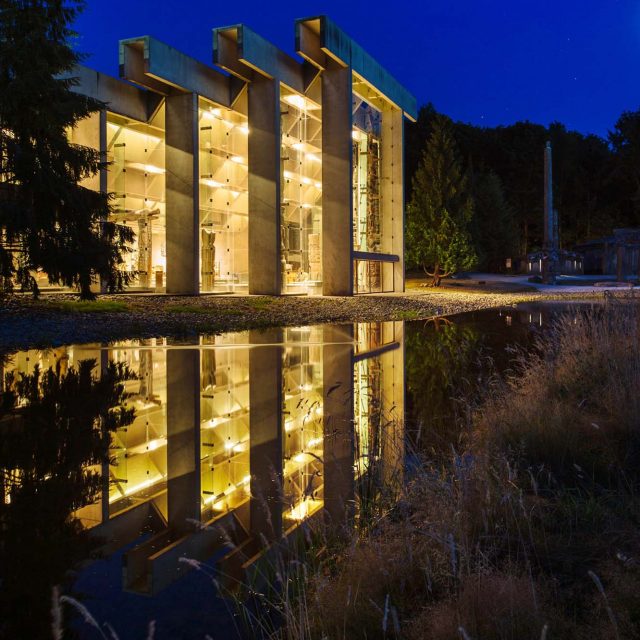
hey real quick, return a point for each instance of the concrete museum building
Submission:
(271, 176)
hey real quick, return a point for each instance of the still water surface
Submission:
(257, 434)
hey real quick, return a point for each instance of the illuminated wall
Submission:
(224, 212)
(136, 177)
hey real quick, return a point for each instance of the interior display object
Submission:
(207, 258)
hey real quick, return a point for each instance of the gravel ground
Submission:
(57, 319)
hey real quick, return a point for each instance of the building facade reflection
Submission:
(238, 439)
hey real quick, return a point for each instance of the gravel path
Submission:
(57, 319)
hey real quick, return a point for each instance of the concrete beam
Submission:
(265, 272)
(182, 193)
(153, 63)
(337, 170)
(118, 96)
(237, 46)
(336, 44)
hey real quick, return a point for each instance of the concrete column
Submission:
(339, 451)
(337, 203)
(392, 424)
(392, 193)
(264, 187)
(183, 438)
(182, 192)
(265, 454)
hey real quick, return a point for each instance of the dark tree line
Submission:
(596, 181)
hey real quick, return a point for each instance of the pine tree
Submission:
(496, 231)
(48, 220)
(441, 209)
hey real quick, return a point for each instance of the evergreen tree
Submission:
(441, 209)
(496, 231)
(48, 220)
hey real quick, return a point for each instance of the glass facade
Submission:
(375, 187)
(302, 423)
(136, 177)
(138, 452)
(187, 455)
(367, 194)
(224, 206)
(301, 192)
(224, 422)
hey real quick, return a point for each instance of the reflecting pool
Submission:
(129, 467)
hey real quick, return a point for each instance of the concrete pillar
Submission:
(393, 195)
(393, 431)
(337, 203)
(182, 192)
(264, 187)
(339, 452)
(183, 438)
(265, 454)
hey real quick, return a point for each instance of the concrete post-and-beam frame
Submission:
(156, 66)
(323, 44)
(118, 97)
(250, 58)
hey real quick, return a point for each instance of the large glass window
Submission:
(224, 427)
(301, 177)
(138, 469)
(303, 424)
(367, 147)
(224, 207)
(136, 177)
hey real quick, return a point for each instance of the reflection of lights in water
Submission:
(136, 487)
(304, 509)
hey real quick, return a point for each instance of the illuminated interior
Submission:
(303, 424)
(371, 165)
(136, 177)
(224, 423)
(301, 177)
(224, 208)
(375, 391)
(138, 453)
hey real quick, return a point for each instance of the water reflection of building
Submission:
(249, 433)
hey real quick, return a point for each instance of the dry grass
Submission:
(530, 530)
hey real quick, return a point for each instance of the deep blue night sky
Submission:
(482, 61)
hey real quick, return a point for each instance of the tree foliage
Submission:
(596, 181)
(49, 220)
(54, 427)
(441, 209)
